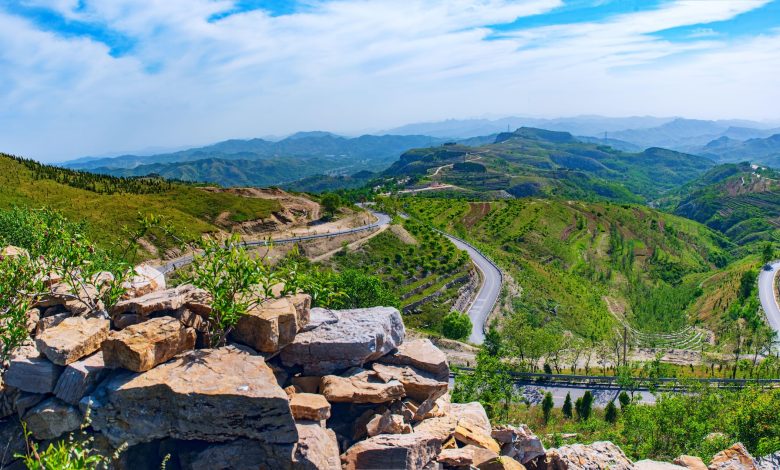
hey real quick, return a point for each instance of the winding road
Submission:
(766, 292)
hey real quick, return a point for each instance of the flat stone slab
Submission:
(213, 395)
(80, 378)
(32, 374)
(421, 354)
(186, 295)
(418, 384)
(273, 324)
(309, 406)
(360, 386)
(408, 451)
(142, 346)
(359, 336)
(72, 339)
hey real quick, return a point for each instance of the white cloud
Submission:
(350, 65)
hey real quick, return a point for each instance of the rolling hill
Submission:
(765, 151)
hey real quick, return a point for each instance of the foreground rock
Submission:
(309, 406)
(145, 280)
(32, 374)
(466, 456)
(735, 457)
(141, 347)
(359, 336)
(80, 378)
(213, 395)
(273, 324)
(599, 455)
(418, 384)
(655, 465)
(52, 418)
(242, 454)
(422, 354)
(186, 295)
(72, 339)
(13, 252)
(317, 448)
(518, 442)
(690, 462)
(360, 386)
(391, 451)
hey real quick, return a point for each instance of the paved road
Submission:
(766, 292)
(382, 219)
(486, 298)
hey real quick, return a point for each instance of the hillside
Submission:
(262, 162)
(109, 204)
(764, 151)
(537, 162)
(585, 267)
(739, 200)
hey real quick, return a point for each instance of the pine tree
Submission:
(624, 400)
(610, 413)
(547, 406)
(567, 407)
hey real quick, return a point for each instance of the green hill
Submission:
(107, 204)
(537, 162)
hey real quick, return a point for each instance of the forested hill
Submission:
(108, 204)
(537, 162)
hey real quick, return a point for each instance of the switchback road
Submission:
(766, 292)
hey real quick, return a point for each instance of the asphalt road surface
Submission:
(766, 292)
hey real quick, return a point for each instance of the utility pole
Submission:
(625, 337)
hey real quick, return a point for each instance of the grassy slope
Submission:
(567, 256)
(190, 210)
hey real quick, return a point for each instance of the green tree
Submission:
(547, 406)
(330, 203)
(567, 412)
(456, 325)
(610, 412)
(584, 406)
(624, 400)
(768, 253)
(493, 341)
(490, 384)
(362, 291)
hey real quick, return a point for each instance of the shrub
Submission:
(584, 406)
(456, 325)
(567, 407)
(624, 400)
(547, 406)
(610, 413)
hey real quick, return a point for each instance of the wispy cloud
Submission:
(202, 70)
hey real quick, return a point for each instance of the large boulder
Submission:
(602, 454)
(72, 339)
(78, 300)
(52, 418)
(768, 462)
(271, 325)
(518, 442)
(309, 406)
(359, 336)
(421, 354)
(418, 384)
(80, 378)
(241, 454)
(32, 374)
(317, 448)
(691, 462)
(213, 395)
(466, 456)
(145, 345)
(735, 457)
(469, 434)
(390, 451)
(360, 386)
(185, 295)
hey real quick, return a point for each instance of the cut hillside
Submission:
(572, 258)
(108, 204)
(537, 162)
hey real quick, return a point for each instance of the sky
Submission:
(94, 77)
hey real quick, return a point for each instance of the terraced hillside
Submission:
(586, 266)
(423, 267)
(107, 204)
(536, 162)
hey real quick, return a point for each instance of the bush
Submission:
(624, 400)
(584, 406)
(547, 406)
(456, 325)
(567, 407)
(610, 413)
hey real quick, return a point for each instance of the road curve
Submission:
(381, 220)
(766, 292)
(489, 290)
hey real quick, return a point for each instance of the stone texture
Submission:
(467, 433)
(52, 418)
(26, 400)
(387, 423)
(13, 252)
(319, 317)
(655, 465)
(360, 386)
(443, 427)
(241, 454)
(466, 456)
(80, 378)
(317, 448)
(186, 295)
(502, 463)
(12, 441)
(421, 354)
(418, 384)
(8, 395)
(359, 336)
(75, 300)
(518, 442)
(735, 457)
(393, 451)
(602, 454)
(73, 339)
(212, 395)
(307, 384)
(691, 462)
(32, 374)
(50, 321)
(145, 280)
(309, 406)
(271, 325)
(145, 345)
(769, 462)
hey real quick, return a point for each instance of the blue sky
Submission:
(89, 77)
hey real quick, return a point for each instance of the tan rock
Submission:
(271, 325)
(141, 347)
(502, 463)
(317, 448)
(393, 451)
(466, 456)
(13, 252)
(52, 418)
(213, 395)
(467, 433)
(50, 321)
(145, 280)
(360, 386)
(602, 454)
(33, 317)
(656, 465)
(387, 423)
(309, 406)
(735, 457)
(307, 384)
(421, 354)
(691, 462)
(443, 427)
(73, 339)
(518, 442)
(418, 384)
(80, 378)
(186, 295)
